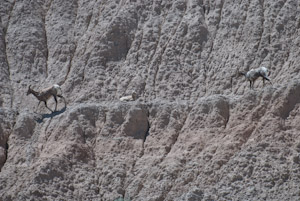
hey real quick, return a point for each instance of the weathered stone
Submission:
(196, 131)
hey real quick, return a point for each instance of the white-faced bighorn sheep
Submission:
(45, 94)
(131, 97)
(253, 74)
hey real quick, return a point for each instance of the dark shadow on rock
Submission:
(147, 133)
(51, 115)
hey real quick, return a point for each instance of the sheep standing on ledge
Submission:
(45, 94)
(131, 97)
(253, 74)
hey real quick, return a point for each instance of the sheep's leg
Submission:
(38, 105)
(55, 102)
(270, 82)
(64, 100)
(265, 78)
(47, 106)
(253, 84)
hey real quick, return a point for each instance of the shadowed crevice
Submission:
(147, 132)
(3, 159)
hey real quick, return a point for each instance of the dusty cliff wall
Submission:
(195, 133)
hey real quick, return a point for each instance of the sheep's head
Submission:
(242, 73)
(29, 90)
(237, 73)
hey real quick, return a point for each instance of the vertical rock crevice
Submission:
(46, 45)
(75, 43)
(3, 150)
(7, 125)
(5, 28)
(178, 131)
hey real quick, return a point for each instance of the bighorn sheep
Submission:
(45, 94)
(131, 97)
(253, 74)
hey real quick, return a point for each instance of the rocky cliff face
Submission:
(196, 132)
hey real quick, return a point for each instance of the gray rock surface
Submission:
(196, 132)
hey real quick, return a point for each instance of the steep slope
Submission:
(197, 132)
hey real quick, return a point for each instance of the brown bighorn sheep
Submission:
(45, 94)
(253, 74)
(131, 97)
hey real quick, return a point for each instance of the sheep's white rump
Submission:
(131, 97)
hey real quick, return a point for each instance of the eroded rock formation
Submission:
(196, 131)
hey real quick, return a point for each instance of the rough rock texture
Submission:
(197, 132)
